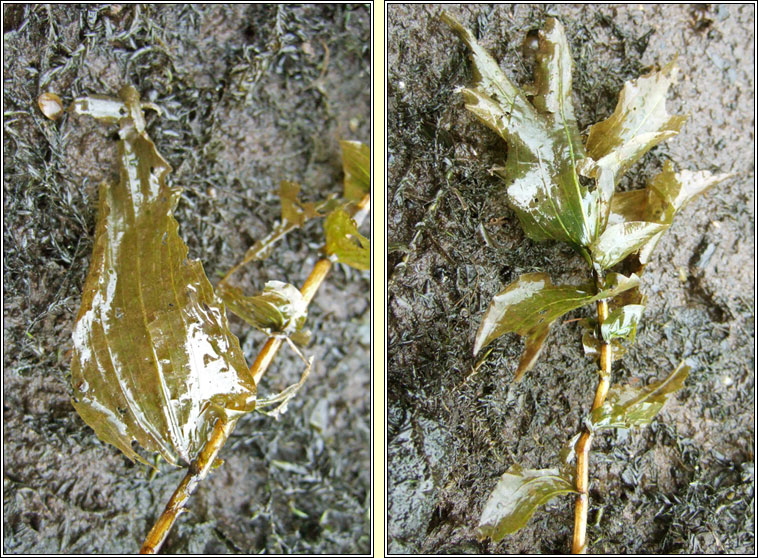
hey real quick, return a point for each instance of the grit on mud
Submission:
(685, 484)
(251, 95)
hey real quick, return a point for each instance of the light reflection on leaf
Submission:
(626, 406)
(665, 195)
(279, 309)
(344, 241)
(543, 139)
(622, 322)
(529, 305)
(154, 360)
(639, 122)
(518, 494)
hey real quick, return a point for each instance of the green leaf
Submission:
(529, 305)
(279, 309)
(544, 145)
(356, 163)
(154, 359)
(344, 241)
(618, 241)
(639, 123)
(626, 406)
(665, 195)
(518, 494)
(622, 322)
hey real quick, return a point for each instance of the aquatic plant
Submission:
(563, 187)
(154, 360)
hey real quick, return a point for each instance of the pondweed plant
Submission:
(548, 164)
(154, 360)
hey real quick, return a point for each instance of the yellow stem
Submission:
(582, 448)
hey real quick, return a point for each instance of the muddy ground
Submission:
(252, 95)
(685, 484)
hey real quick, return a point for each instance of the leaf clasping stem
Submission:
(223, 428)
(582, 448)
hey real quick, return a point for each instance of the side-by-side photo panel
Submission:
(570, 267)
(187, 279)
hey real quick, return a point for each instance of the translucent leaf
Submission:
(639, 122)
(618, 241)
(622, 322)
(356, 162)
(626, 406)
(344, 241)
(543, 139)
(154, 360)
(279, 309)
(531, 303)
(518, 494)
(666, 194)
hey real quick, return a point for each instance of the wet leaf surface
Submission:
(543, 139)
(639, 123)
(154, 360)
(529, 305)
(626, 406)
(622, 322)
(279, 309)
(618, 241)
(344, 241)
(518, 494)
(665, 195)
(546, 155)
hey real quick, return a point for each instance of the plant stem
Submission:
(579, 543)
(223, 428)
(196, 473)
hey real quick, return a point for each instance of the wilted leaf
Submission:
(543, 139)
(622, 322)
(154, 360)
(531, 303)
(356, 162)
(344, 241)
(666, 194)
(639, 123)
(279, 309)
(518, 494)
(626, 406)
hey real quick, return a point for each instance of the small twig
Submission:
(579, 543)
(223, 428)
